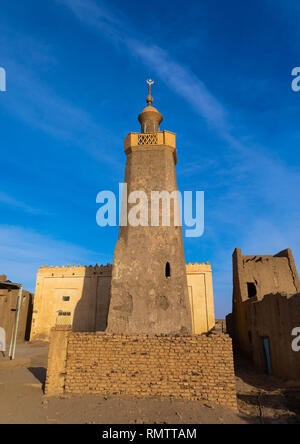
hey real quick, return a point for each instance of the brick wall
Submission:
(185, 367)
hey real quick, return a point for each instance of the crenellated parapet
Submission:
(75, 270)
(198, 268)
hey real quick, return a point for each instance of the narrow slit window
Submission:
(168, 270)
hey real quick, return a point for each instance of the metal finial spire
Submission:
(150, 82)
(150, 118)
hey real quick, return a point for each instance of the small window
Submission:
(66, 298)
(64, 313)
(252, 293)
(168, 270)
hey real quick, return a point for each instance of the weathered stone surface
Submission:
(143, 299)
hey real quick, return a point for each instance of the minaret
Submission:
(149, 293)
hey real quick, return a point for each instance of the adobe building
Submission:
(150, 347)
(75, 296)
(200, 289)
(266, 309)
(80, 297)
(8, 304)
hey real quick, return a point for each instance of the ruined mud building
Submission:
(266, 309)
(8, 305)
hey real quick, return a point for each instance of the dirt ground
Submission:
(260, 400)
(266, 399)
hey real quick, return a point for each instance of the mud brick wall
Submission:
(185, 367)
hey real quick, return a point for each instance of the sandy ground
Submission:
(266, 399)
(22, 400)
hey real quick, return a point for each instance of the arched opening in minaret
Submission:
(168, 270)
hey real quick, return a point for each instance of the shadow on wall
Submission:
(39, 373)
(270, 323)
(91, 311)
(29, 317)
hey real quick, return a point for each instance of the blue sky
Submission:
(76, 73)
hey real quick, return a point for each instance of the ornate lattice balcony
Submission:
(144, 139)
(148, 139)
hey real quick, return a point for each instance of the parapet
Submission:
(75, 270)
(198, 268)
(160, 138)
(259, 275)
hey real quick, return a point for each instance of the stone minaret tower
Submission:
(149, 293)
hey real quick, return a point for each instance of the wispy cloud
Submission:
(92, 13)
(98, 17)
(184, 82)
(8, 200)
(24, 251)
(271, 178)
(34, 102)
